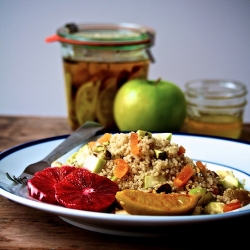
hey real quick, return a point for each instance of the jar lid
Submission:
(101, 35)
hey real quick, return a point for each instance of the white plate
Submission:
(216, 152)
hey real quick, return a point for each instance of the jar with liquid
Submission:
(97, 60)
(215, 107)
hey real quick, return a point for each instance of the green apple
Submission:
(150, 105)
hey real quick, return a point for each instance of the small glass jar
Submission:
(98, 59)
(215, 107)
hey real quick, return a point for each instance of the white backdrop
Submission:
(194, 39)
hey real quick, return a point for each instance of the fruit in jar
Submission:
(143, 203)
(71, 108)
(112, 75)
(104, 109)
(86, 101)
(79, 73)
(149, 105)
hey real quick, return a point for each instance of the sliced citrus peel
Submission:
(134, 139)
(105, 101)
(104, 138)
(142, 203)
(121, 168)
(232, 206)
(183, 177)
(181, 150)
(86, 101)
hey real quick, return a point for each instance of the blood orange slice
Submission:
(41, 186)
(84, 190)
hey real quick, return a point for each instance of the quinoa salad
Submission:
(156, 164)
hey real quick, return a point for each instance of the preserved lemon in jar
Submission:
(97, 60)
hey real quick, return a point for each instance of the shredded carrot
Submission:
(121, 168)
(134, 138)
(181, 150)
(231, 206)
(105, 138)
(201, 166)
(92, 144)
(183, 177)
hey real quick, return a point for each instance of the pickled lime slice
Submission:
(104, 110)
(67, 80)
(86, 101)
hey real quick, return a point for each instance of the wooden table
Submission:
(22, 227)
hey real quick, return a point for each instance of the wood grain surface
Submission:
(23, 227)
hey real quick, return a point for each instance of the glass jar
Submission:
(215, 107)
(98, 59)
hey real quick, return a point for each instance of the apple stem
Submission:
(157, 81)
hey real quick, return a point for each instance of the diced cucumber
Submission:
(214, 207)
(197, 190)
(151, 181)
(162, 155)
(78, 158)
(169, 136)
(223, 173)
(206, 196)
(72, 159)
(230, 182)
(94, 164)
(205, 199)
(143, 133)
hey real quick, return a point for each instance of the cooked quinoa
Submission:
(145, 164)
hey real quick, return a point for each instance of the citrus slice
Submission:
(84, 190)
(137, 202)
(41, 185)
(104, 110)
(67, 80)
(79, 73)
(86, 101)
